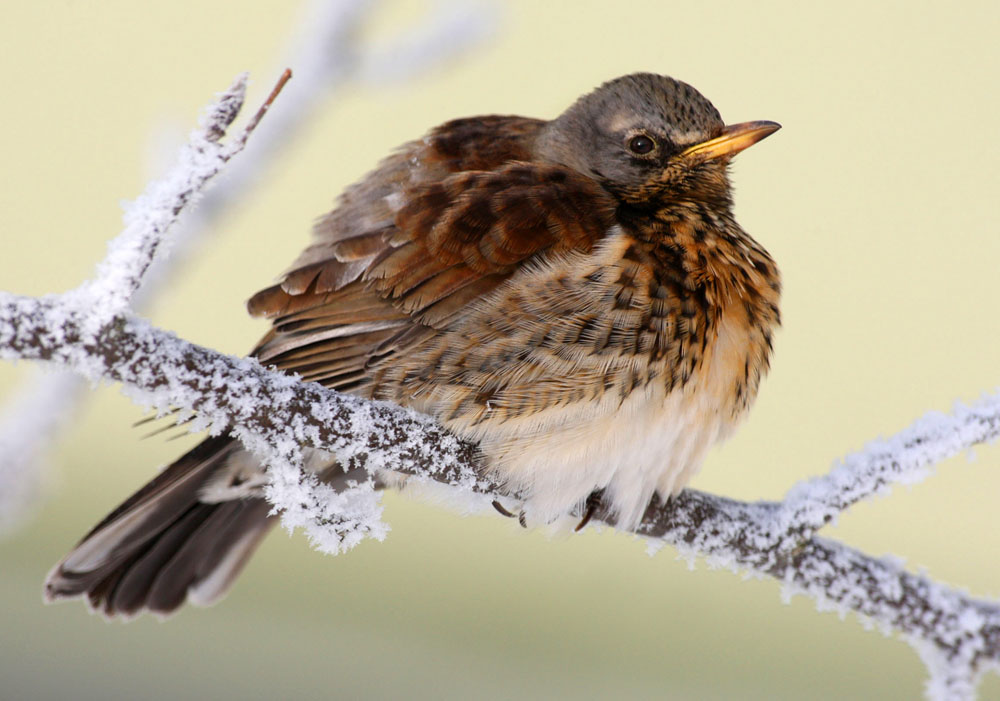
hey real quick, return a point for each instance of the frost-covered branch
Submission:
(957, 634)
(326, 54)
(903, 458)
(148, 218)
(34, 416)
(275, 414)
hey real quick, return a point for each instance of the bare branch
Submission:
(240, 141)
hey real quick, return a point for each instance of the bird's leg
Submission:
(593, 501)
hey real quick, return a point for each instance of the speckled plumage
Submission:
(574, 295)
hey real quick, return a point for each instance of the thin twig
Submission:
(241, 140)
(327, 55)
(151, 216)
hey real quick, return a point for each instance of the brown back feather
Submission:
(438, 225)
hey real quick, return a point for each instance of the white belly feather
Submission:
(648, 443)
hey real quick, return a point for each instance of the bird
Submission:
(574, 296)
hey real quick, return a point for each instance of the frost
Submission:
(334, 520)
(655, 546)
(155, 211)
(906, 458)
(326, 55)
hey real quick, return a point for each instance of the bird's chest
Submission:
(670, 317)
(599, 371)
(633, 440)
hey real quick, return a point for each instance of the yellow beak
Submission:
(734, 139)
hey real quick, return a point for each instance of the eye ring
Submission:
(641, 144)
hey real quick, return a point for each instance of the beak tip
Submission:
(734, 138)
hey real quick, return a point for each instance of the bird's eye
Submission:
(641, 144)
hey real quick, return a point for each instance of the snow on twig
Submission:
(960, 634)
(148, 218)
(35, 414)
(326, 55)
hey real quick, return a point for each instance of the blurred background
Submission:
(878, 200)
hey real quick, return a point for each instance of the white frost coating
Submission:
(28, 425)
(155, 210)
(655, 546)
(947, 681)
(334, 521)
(324, 55)
(905, 458)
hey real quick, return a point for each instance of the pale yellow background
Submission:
(878, 199)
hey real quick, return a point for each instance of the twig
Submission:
(34, 416)
(155, 211)
(241, 140)
(326, 56)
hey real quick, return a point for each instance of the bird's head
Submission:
(647, 137)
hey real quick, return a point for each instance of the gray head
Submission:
(646, 135)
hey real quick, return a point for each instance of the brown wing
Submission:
(438, 225)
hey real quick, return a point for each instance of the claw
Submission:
(500, 508)
(520, 517)
(593, 501)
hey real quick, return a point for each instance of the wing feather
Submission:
(438, 225)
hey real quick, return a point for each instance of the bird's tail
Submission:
(166, 544)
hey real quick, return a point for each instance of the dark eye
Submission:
(641, 144)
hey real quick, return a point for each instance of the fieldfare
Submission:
(573, 295)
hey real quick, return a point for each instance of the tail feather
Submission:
(164, 545)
